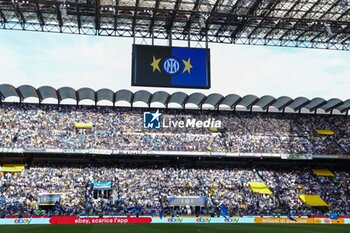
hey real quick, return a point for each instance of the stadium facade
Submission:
(182, 99)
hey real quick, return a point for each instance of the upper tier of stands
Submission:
(53, 126)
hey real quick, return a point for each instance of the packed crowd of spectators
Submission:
(52, 127)
(288, 184)
(147, 188)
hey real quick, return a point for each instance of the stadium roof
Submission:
(294, 23)
(181, 99)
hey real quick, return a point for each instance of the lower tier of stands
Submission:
(187, 188)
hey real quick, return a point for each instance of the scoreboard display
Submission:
(176, 67)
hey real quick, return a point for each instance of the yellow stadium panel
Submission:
(83, 125)
(322, 172)
(325, 132)
(12, 167)
(313, 200)
(213, 129)
(259, 187)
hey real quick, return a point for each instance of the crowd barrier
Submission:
(171, 220)
(169, 153)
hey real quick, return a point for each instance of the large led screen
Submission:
(159, 66)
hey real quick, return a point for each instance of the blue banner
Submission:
(103, 185)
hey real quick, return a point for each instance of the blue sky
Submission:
(58, 60)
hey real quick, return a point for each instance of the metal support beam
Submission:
(286, 16)
(330, 9)
(2, 15)
(116, 15)
(316, 36)
(304, 16)
(171, 21)
(78, 17)
(230, 16)
(20, 15)
(342, 31)
(212, 13)
(170, 39)
(322, 17)
(346, 39)
(40, 16)
(270, 7)
(97, 16)
(188, 26)
(59, 16)
(135, 17)
(151, 26)
(250, 13)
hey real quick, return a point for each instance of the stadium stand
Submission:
(58, 187)
(145, 189)
(84, 127)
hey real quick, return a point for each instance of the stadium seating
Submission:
(145, 189)
(248, 190)
(52, 127)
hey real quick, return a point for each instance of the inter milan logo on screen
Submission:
(151, 120)
(171, 65)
